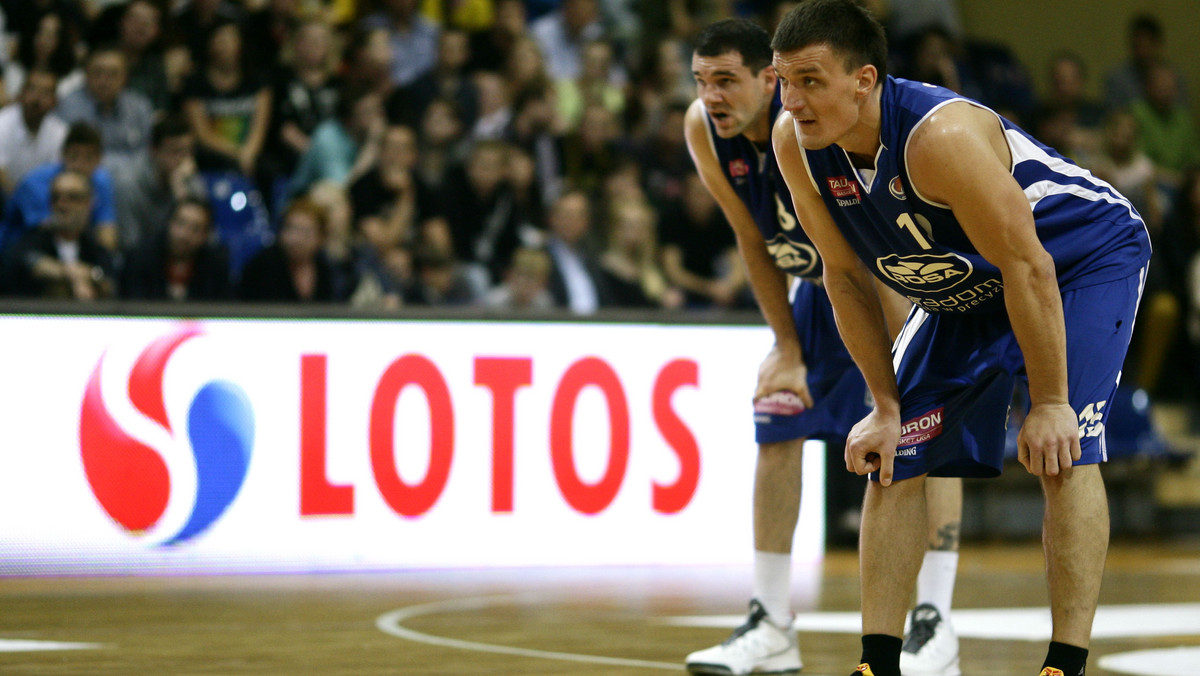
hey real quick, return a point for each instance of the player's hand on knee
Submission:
(1048, 442)
(783, 371)
(871, 445)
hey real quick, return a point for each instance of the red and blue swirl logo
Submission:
(131, 480)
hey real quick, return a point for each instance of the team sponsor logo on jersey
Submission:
(925, 272)
(896, 188)
(739, 168)
(921, 429)
(1091, 420)
(844, 190)
(797, 258)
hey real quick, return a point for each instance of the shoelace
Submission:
(919, 635)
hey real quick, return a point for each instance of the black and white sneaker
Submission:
(931, 648)
(756, 647)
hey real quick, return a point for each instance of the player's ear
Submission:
(868, 76)
(769, 77)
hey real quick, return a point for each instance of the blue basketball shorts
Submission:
(956, 374)
(834, 381)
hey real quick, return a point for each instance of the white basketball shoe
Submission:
(931, 648)
(756, 647)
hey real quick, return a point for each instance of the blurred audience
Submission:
(180, 262)
(293, 269)
(148, 189)
(123, 117)
(30, 133)
(61, 257)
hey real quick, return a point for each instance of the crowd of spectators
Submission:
(522, 155)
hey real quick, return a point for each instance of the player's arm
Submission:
(784, 368)
(857, 307)
(960, 158)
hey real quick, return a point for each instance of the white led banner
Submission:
(138, 445)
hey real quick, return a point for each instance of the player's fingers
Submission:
(849, 459)
(805, 397)
(885, 470)
(1023, 454)
(1076, 450)
(1050, 457)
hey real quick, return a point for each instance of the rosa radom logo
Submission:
(132, 480)
(925, 272)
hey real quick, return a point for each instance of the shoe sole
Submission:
(719, 670)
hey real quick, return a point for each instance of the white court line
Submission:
(391, 623)
(18, 645)
(1151, 662)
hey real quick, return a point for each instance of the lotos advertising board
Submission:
(139, 445)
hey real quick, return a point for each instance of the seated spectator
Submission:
(493, 46)
(383, 266)
(180, 262)
(392, 189)
(440, 280)
(195, 23)
(495, 107)
(412, 37)
(49, 47)
(448, 79)
(576, 282)
(30, 203)
(227, 105)
(630, 266)
(61, 257)
(270, 31)
(478, 205)
(345, 146)
(294, 268)
(123, 117)
(699, 250)
(526, 284)
(592, 151)
(1068, 89)
(664, 157)
(593, 86)
(30, 133)
(442, 143)
(306, 94)
(535, 128)
(148, 190)
(1168, 135)
(1128, 80)
(139, 37)
(561, 35)
(1122, 163)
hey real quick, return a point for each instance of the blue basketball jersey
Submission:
(754, 175)
(919, 249)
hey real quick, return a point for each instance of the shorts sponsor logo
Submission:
(921, 429)
(963, 300)
(925, 273)
(906, 452)
(1091, 420)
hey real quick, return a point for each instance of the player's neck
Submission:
(862, 141)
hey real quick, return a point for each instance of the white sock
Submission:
(935, 582)
(773, 586)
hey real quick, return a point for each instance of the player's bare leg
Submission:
(766, 642)
(891, 545)
(1075, 541)
(931, 646)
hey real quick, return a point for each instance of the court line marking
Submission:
(1150, 662)
(20, 645)
(391, 623)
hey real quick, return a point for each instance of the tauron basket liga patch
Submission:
(922, 428)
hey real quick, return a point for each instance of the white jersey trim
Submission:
(916, 318)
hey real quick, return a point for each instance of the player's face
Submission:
(737, 99)
(824, 98)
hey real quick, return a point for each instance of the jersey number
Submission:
(920, 229)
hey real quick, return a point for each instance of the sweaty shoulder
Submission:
(958, 136)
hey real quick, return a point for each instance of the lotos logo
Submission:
(130, 479)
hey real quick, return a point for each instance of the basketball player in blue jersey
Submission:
(1020, 265)
(808, 386)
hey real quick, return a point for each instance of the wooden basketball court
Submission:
(582, 622)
